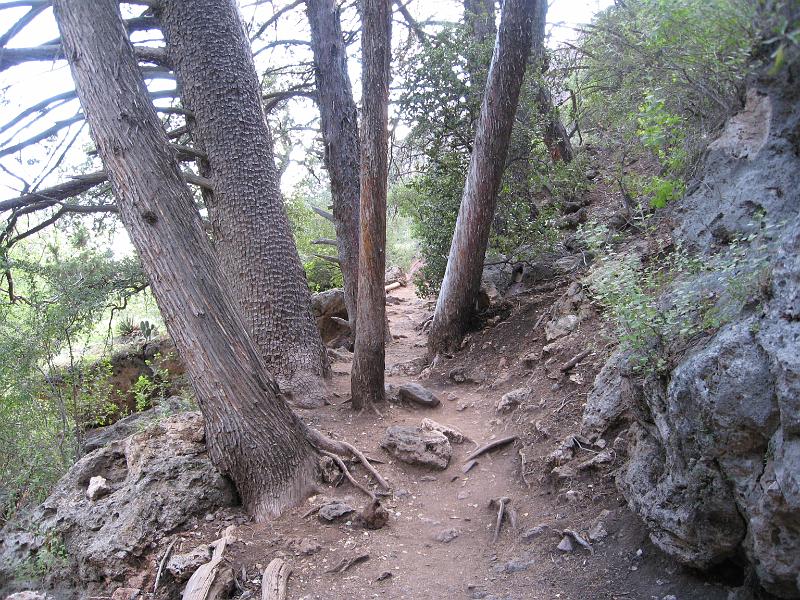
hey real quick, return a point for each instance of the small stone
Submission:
(98, 487)
(28, 595)
(564, 472)
(516, 565)
(462, 406)
(531, 534)
(334, 510)
(572, 496)
(446, 535)
(598, 532)
(566, 544)
(308, 547)
(561, 327)
(409, 367)
(463, 495)
(670, 597)
(601, 443)
(510, 401)
(427, 478)
(209, 517)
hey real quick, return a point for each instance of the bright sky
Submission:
(24, 85)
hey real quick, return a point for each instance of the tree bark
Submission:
(339, 121)
(252, 434)
(369, 358)
(456, 302)
(218, 83)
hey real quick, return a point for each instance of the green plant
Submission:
(51, 556)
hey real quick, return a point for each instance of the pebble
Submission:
(566, 544)
(447, 535)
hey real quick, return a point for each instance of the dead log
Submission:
(574, 361)
(213, 580)
(275, 580)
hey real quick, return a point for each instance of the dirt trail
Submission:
(428, 504)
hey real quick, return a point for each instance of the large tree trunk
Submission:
(218, 83)
(462, 277)
(369, 357)
(339, 121)
(252, 434)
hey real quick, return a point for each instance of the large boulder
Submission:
(159, 479)
(327, 307)
(418, 446)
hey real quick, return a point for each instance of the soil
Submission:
(408, 559)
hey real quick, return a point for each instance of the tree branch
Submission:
(20, 24)
(55, 128)
(10, 57)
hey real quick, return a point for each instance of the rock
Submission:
(564, 472)
(416, 446)
(451, 433)
(601, 458)
(462, 406)
(329, 470)
(126, 593)
(326, 305)
(447, 535)
(307, 547)
(163, 479)
(560, 327)
(516, 565)
(563, 453)
(613, 396)
(340, 355)
(334, 510)
(510, 401)
(417, 394)
(565, 545)
(182, 566)
(29, 595)
(598, 532)
(410, 367)
(461, 375)
(458, 375)
(395, 274)
(531, 534)
(98, 487)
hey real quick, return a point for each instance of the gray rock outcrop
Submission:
(417, 446)
(159, 479)
(714, 444)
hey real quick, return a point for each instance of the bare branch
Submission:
(275, 98)
(55, 128)
(323, 213)
(274, 18)
(203, 182)
(50, 196)
(325, 242)
(20, 24)
(411, 23)
(10, 57)
(39, 106)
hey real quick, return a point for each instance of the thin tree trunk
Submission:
(218, 83)
(339, 121)
(456, 302)
(252, 434)
(555, 134)
(369, 353)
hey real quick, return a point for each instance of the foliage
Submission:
(656, 78)
(660, 305)
(51, 385)
(51, 556)
(150, 389)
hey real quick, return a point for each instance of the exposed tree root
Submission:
(328, 445)
(347, 474)
(275, 579)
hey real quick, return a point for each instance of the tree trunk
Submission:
(462, 277)
(555, 134)
(218, 83)
(369, 356)
(252, 434)
(479, 20)
(339, 121)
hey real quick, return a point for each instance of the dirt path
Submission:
(410, 558)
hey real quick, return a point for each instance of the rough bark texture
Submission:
(253, 436)
(369, 358)
(218, 83)
(339, 122)
(461, 282)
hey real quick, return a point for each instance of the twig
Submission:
(501, 504)
(491, 446)
(162, 563)
(346, 563)
(574, 361)
(311, 511)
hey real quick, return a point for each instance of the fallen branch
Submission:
(346, 563)
(393, 286)
(162, 563)
(322, 442)
(200, 584)
(275, 580)
(500, 503)
(491, 446)
(574, 361)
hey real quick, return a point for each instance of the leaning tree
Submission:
(456, 303)
(252, 434)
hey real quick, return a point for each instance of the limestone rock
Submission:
(162, 477)
(417, 446)
(451, 433)
(614, 394)
(560, 327)
(510, 401)
(98, 487)
(182, 566)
